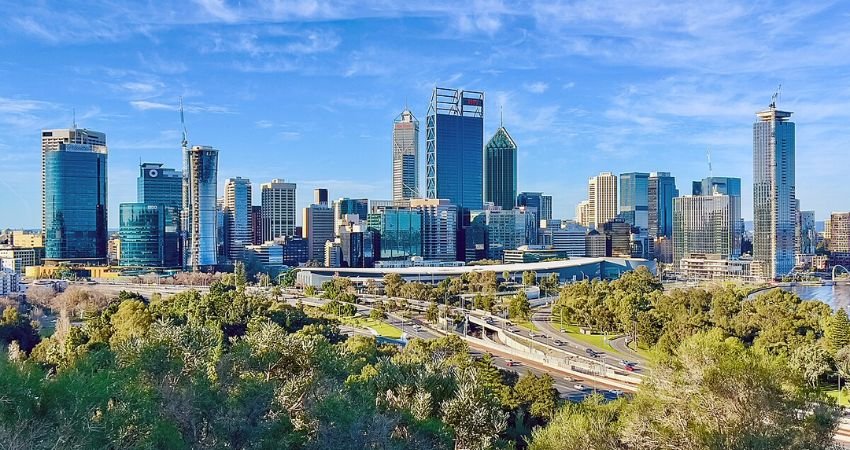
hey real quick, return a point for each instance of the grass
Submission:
(383, 329)
(843, 401)
(526, 324)
(597, 340)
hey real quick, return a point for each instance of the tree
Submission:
(592, 424)
(473, 413)
(812, 361)
(519, 308)
(537, 394)
(432, 313)
(842, 365)
(837, 332)
(393, 284)
(310, 291)
(377, 314)
(529, 278)
(132, 319)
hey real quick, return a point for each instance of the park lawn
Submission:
(597, 340)
(843, 401)
(383, 329)
(526, 324)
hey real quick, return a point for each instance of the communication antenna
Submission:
(185, 142)
(501, 117)
(710, 173)
(74, 118)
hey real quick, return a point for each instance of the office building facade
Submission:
(75, 197)
(237, 211)
(320, 197)
(201, 212)
(149, 236)
(706, 225)
(439, 228)
(719, 185)
(537, 203)
(839, 232)
(661, 190)
(454, 142)
(405, 157)
(500, 170)
(505, 229)
(806, 239)
(399, 232)
(158, 185)
(345, 210)
(774, 198)
(318, 228)
(277, 199)
(602, 198)
(256, 224)
(634, 199)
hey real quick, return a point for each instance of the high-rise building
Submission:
(27, 239)
(318, 228)
(634, 199)
(454, 142)
(278, 209)
(346, 208)
(774, 197)
(505, 229)
(602, 198)
(405, 157)
(617, 238)
(439, 228)
(256, 225)
(149, 235)
(583, 213)
(158, 185)
(720, 185)
(706, 225)
(51, 140)
(399, 232)
(237, 210)
(320, 196)
(839, 232)
(500, 167)
(661, 190)
(357, 244)
(200, 208)
(536, 203)
(806, 239)
(595, 244)
(569, 237)
(333, 253)
(74, 211)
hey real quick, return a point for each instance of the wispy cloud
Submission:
(537, 87)
(146, 105)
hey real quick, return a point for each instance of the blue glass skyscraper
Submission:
(500, 180)
(75, 201)
(454, 148)
(158, 185)
(149, 235)
(661, 189)
(721, 185)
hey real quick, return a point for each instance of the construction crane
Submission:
(774, 99)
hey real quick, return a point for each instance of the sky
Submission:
(307, 91)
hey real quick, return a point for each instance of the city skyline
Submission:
(645, 121)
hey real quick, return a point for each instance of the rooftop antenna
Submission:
(185, 142)
(74, 118)
(710, 172)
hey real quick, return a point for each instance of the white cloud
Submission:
(537, 87)
(144, 105)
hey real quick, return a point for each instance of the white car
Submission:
(617, 392)
(579, 387)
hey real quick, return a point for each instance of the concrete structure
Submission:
(26, 239)
(595, 244)
(500, 170)
(583, 213)
(569, 237)
(715, 267)
(839, 232)
(320, 197)
(74, 181)
(278, 209)
(9, 279)
(333, 253)
(774, 204)
(454, 143)
(572, 269)
(268, 254)
(18, 258)
(347, 210)
(158, 185)
(602, 198)
(199, 207)
(405, 157)
(237, 211)
(318, 228)
(439, 228)
(707, 225)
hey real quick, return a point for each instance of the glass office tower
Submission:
(405, 157)
(202, 185)
(774, 198)
(720, 185)
(75, 203)
(149, 235)
(500, 180)
(661, 190)
(158, 185)
(634, 199)
(454, 142)
(399, 232)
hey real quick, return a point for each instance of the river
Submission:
(837, 296)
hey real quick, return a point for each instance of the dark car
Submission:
(590, 352)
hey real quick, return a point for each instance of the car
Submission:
(513, 363)
(509, 323)
(531, 334)
(630, 368)
(627, 363)
(590, 352)
(558, 342)
(616, 392)
(417, 328)
(579, 387)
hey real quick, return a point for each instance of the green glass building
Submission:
(149, 235)
(500, 180)
(399, 232)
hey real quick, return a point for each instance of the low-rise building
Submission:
(8, 280)
(534, 253)
(19, 259)
(715, 267)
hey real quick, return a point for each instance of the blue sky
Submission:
(306, 90)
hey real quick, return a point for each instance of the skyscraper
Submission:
(538, 204)
(439, 228)
(256, 225)
(158, 185)
(454, 142)
(399, 232)
(583, 213)
(278, 209)
(806, 240)
(405, 157)
(706, 225)
(320, 196)
(149, 235)
(75, 195)
(661, 190)
(500, 180)
(774, 202)
(318, 228)
(237, 210)
(721, 185)
(345, 208)
(602, 198)
(201, 211)
(634, 199)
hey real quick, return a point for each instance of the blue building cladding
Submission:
(149, 235)
(399, 233)
(634, 199)
(75, 199)
(159, 185)
(455, 148)
(722, 185)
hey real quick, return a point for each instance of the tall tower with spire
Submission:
(405, 156)
(500, 167)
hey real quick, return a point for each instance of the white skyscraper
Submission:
(278, 209)
(602, 199)
(774, 198)
(707, 225)
(439, 228)
(237, 210)
(405, 156)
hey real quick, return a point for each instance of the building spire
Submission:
(74, 118)
(501, 118)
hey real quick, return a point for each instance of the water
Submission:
(837, 296)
